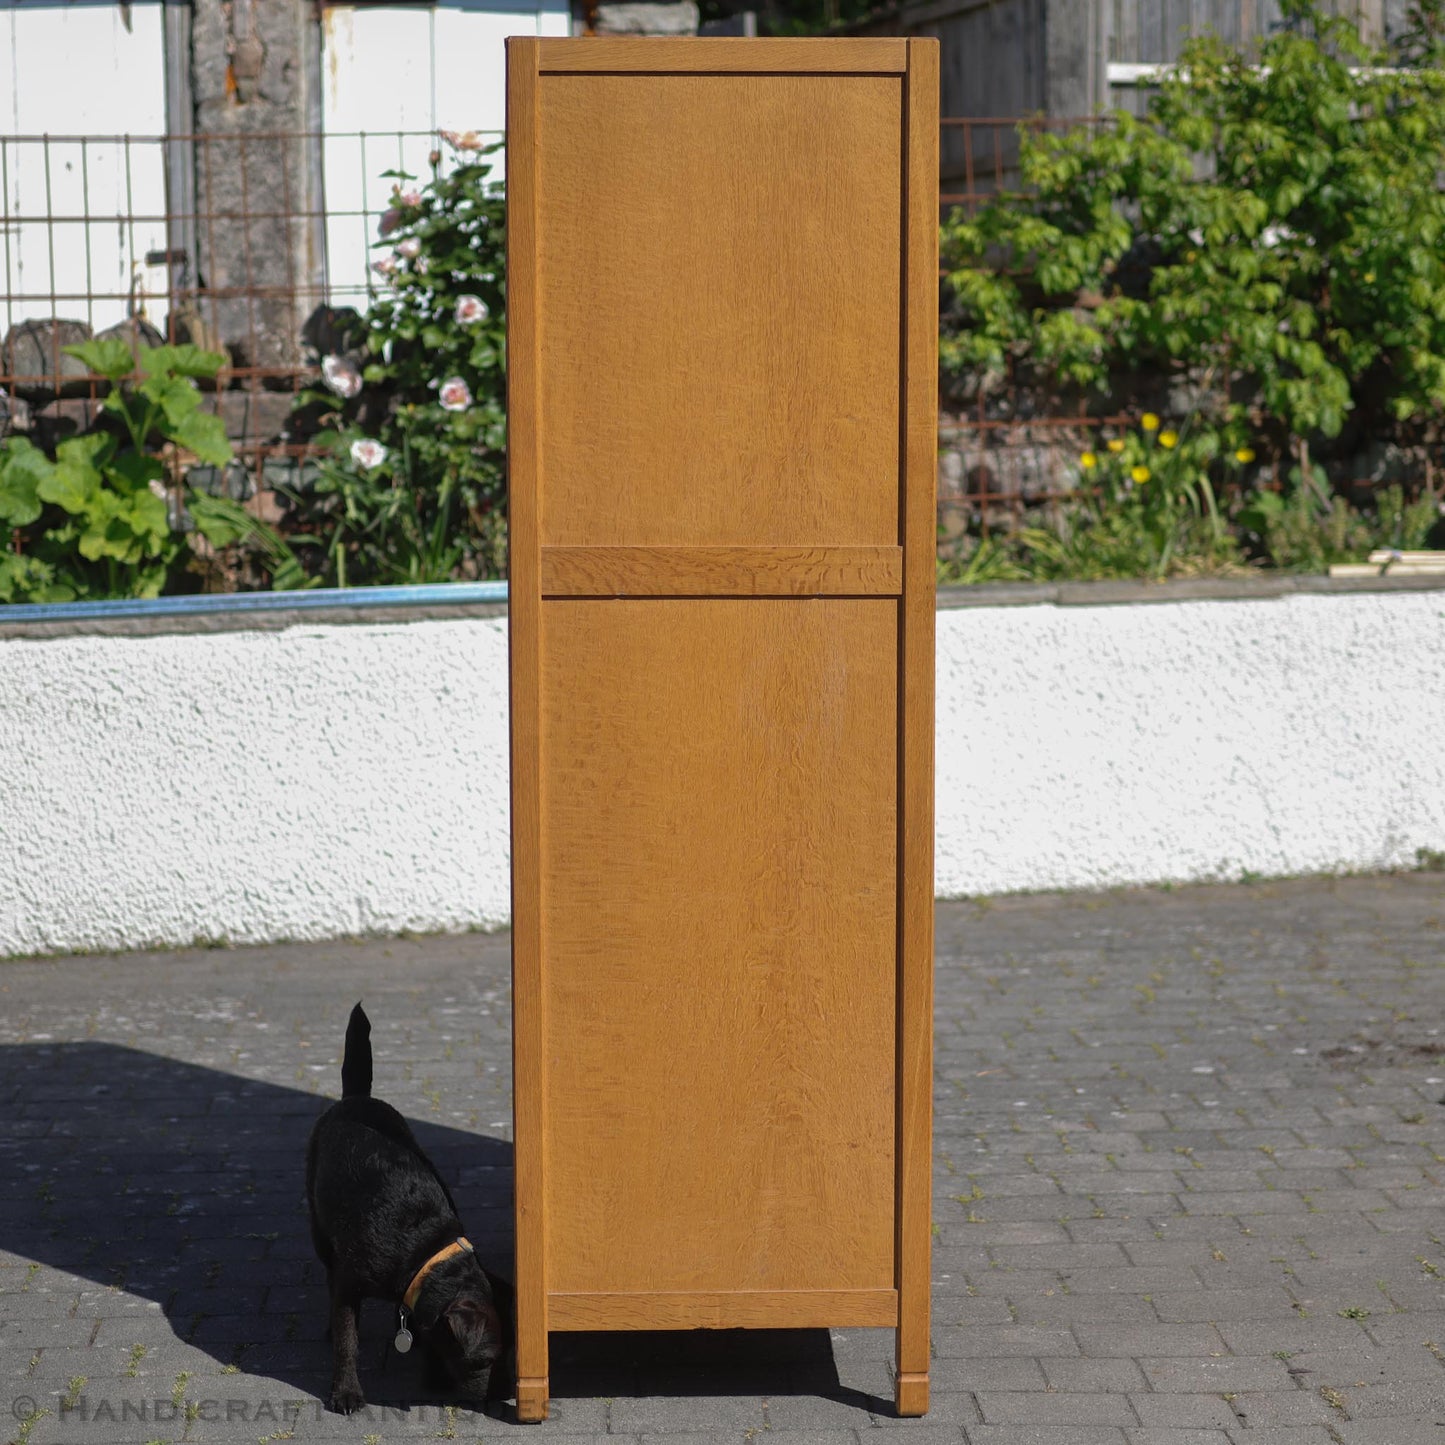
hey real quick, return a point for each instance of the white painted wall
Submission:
(247, 786)
(392, 76)
(69, 71)
(1085, 747)
(325, 780)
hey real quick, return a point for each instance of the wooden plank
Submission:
(722, 55)
(760, 262)
(525, 647)
(719, 824)
(725, 1310)
(913, 1220)
(1126, 30)
(722, 571)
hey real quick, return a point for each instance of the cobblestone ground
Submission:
(1190, 1161)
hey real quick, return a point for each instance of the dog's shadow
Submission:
(143, 1176)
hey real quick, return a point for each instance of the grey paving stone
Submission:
(1084, 1267)
(1157, 1435)
(1216, 1305)
(996, 1341)
(1045, 1435)
(1062, 1408)
(1268, 1408)
(1026, 1373)
(1373, 1366)
(1135, 1341)
(812, 1437)
(901, 1432)
(1423, 1431)
(1265, 1337)
(1092, 1375)
(1085, 1312)
(1287, 1435)
(1185, 1412)
(810, 1412)
(1177, 1374)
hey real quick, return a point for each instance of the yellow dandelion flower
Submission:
(1140, 474)
(1168, 439)
(1369, 278)
(1149, 421)
(1115, 445)
(1088, 461)
(1244, 455)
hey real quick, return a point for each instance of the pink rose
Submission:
(471, 308)
(455, 394)
(341, 376)
(367, 453)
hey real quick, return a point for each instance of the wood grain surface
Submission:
(726, 1310)
(722, 571)
(915, 675)
(524, 643)
(718, 858)
(719, 54)
(722, 351)
(722, 364)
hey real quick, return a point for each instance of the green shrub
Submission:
(93, 520)
(412, 482)
(1265, 252)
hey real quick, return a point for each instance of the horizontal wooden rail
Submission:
(715, 55)
(722, 571)
(724, 1309)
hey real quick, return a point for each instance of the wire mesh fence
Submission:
(255, 244)
(245, 243)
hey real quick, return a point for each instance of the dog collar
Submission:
(460, 1245)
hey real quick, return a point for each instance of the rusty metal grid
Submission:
(229, 240)
(103, 231)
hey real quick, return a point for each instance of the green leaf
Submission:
(205, 435)
(134, 471)
(146, 517)
(109, 356)
(73, 484)
(183, 360)
(93, 449)
(176, 396)
(219, 520)
(109, 537)
(22, 468)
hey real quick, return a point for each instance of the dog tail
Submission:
(356, 1061)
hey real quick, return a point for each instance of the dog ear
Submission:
(473, 1324)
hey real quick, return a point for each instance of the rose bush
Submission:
(411, 485)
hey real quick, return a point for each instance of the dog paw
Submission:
(347, 1399)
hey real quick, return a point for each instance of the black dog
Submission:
(385, 1226)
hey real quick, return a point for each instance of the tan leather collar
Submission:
(461, 1245)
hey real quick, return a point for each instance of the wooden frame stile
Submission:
(919, 448)
(524, 642)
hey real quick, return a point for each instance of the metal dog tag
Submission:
(403, 1335)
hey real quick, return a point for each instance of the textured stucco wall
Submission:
(319, 780)
(1084, 747)
(249, 786)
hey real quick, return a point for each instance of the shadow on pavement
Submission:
(183, 1185)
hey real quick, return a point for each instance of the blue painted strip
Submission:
(315, 600)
